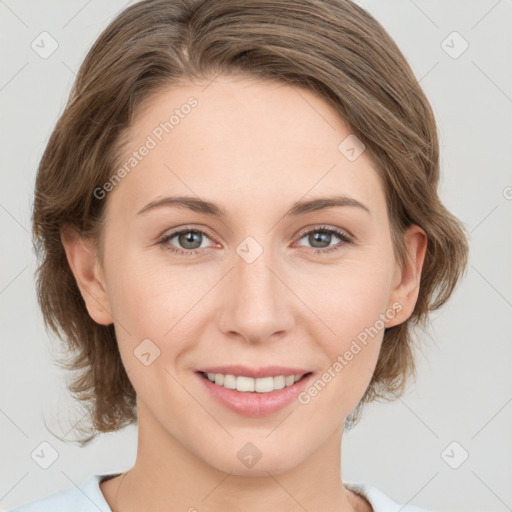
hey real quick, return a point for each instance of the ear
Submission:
(406, 279)
(83, 260)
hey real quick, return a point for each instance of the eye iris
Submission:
(187, 237)
(320, 236)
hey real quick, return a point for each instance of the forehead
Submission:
(240, 139)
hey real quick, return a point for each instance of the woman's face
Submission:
(267, 283)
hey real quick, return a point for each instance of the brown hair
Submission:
(331, 47)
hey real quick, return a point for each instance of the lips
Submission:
(253, 404)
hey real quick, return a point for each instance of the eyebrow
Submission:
(207, 207)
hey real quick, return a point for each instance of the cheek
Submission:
(350, 297)
(352, 300)
(147, 294)
(150, 300)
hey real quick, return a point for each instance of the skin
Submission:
(253, 147)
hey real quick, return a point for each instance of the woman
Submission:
(238, 221)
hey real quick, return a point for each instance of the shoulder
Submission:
(379, 501)
(86, 497)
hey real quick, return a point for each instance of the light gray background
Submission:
(464, 388)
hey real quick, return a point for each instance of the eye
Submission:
(321, 237)
(189, 238)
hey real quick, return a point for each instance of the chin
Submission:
(240, 463)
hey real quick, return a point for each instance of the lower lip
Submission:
(255, 404)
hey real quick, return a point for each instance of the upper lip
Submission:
(255, 373)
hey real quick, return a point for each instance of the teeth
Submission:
(248, 384)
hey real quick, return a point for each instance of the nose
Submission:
(258, 302)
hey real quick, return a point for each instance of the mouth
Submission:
(254, 397)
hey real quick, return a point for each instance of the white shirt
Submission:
(87, 497)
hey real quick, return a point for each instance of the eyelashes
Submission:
(190, 235)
